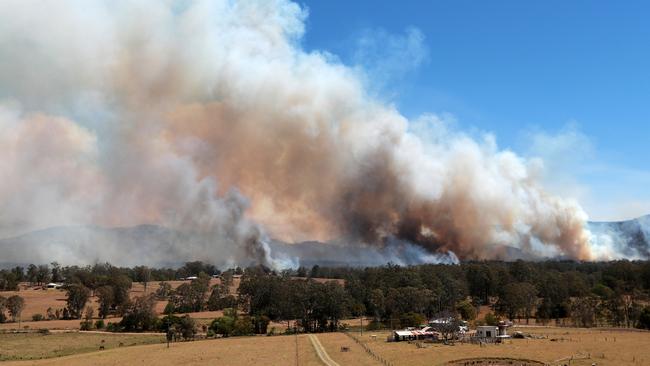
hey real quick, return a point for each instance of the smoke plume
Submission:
(209, 117)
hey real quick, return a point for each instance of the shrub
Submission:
(113, 327)
(261, 324)
(490, 319)
(243, 326)
(223, 325)
(99, 324)
(86, 325)
(37, 317)
(644, 319)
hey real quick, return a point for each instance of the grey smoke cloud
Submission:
(208, 117)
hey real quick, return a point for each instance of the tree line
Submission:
(582, 294)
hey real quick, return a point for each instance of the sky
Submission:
(567, 81)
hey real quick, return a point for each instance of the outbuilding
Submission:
(487, 331)
(403, 335)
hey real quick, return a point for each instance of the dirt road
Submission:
(320, 351)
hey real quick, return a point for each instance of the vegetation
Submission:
(32, 346)
(140, 315)
(15, 304)
(585, 294)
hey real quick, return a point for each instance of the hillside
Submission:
(159, 246)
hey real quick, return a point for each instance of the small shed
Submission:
(403, 335)
(487, 331)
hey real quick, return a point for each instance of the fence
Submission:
(377, 357)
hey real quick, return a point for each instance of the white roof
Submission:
(403, 333)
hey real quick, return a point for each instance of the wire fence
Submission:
(370, 352)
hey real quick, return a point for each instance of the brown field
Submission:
(332, 342)
(603, 347)
(30, 346)
(37, 301)
(588, 346)
(279, 350)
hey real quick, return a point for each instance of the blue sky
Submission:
(568, 80)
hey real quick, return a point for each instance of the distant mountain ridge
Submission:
(630, 237)
(159, 246)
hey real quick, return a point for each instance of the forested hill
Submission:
(159, 246)
(631, 237)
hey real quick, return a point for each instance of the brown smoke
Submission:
(210, 118)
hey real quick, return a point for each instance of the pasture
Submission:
(553, 346)
(37, 301)
(260, 350)
(32, 346)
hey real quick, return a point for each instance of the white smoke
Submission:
(207, 116)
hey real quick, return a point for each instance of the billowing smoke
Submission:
(208, 117)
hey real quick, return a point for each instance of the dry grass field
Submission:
(332, 342)
(279, 350)
(37, 301)
(30, 346)
(603, 347)
(588, 346)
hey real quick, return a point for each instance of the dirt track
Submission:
(320, 351)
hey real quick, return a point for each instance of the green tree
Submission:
(32, 273)
(140, 315)
(164, 291)
(106, 300)
(15, 304)
(223, 325)
(517, 300)
(143, 275)
(56, 272)
(220, 299)
(644, 319)
(243, 326)
(8, 281)
(42, 274)
(3, 305)
(583, 311)
(77, 297)
(87, 323)
(466, 310)
(411, 319)
(187, 327)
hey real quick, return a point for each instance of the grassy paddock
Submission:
(259, 350)
(31, 346)
(557, 347)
